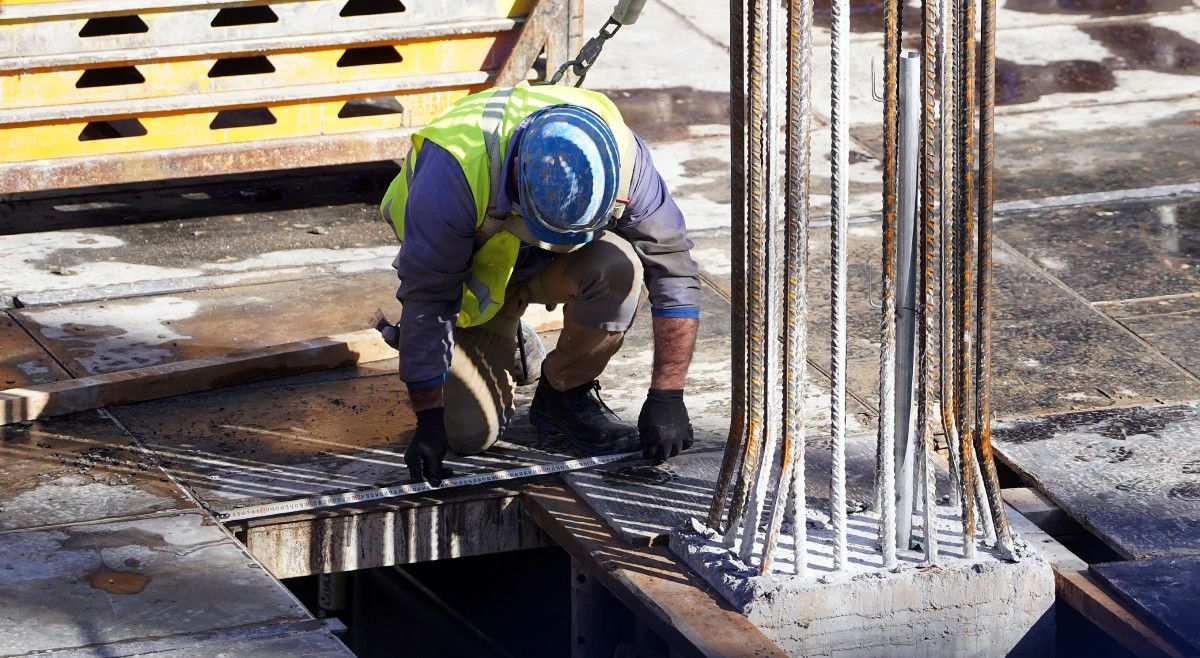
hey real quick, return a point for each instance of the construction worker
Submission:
(536, 195)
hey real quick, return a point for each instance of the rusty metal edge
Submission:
(197, 162)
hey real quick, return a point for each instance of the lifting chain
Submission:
(626, 13)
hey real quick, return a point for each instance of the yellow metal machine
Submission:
(96, 92)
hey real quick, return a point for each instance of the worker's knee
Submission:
(609, 276)
(472, 443)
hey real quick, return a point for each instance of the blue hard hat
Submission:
(567, 171)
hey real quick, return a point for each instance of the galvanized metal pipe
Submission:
(908, 137)
(839, 216)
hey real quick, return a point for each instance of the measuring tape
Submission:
(396, 491)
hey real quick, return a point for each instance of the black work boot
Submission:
(582, 417)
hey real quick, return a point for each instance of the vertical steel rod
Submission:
(799, 128)
(737, 138)
(983, 418)
(756, 278)
(948, 171)
(930, 16)
(965, 247)
(839, 188)
(776, 69)
(887, 357)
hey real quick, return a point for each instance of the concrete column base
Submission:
(981, 607)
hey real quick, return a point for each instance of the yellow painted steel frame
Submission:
(278, 69)
(152, 112)
(187, 129)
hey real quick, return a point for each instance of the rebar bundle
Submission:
(935, 192)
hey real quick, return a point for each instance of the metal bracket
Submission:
(878, 96)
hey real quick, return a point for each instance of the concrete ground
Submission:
(1097, 275)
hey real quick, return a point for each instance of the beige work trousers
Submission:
(600, 287)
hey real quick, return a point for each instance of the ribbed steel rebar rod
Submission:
(756, 282)
(799, 129)
(775, 204)
(885, 474)
(925, 279)
(736, 441)
(983, 418)
(947, 210)
(839, 215)
(965, 59)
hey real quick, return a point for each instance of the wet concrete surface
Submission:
(1167, 324)
(88, 585)
(77, 468)
(113, 335)
(22, 360)
(1131, 476)
(1115, 251)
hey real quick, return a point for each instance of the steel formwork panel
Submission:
(44, 40)
(194, 79)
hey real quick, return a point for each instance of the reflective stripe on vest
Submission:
(476, 131)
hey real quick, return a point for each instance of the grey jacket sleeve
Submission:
(435, 259)
(655, 226)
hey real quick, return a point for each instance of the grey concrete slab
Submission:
(1171, 325)
(1052, 352)
(306, 639)
(1114, 252)
(107, 336)
(77, 468)
(1167, 589)
(1096, 148)
(22, 360)
(1131, 476)
(302, 436)
(87, 585)
(216, 229)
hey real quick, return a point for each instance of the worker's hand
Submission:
(664, 425)
(428, 448)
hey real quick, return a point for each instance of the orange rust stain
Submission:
(119, 582)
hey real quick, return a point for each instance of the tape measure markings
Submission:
(396, 491)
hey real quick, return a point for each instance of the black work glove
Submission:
(664, 425)
(428, 448)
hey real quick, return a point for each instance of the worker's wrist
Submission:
(665, 394)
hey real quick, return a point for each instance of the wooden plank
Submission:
(139, 384)
(682, 610)
(1166, 589)
(1098, 604)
